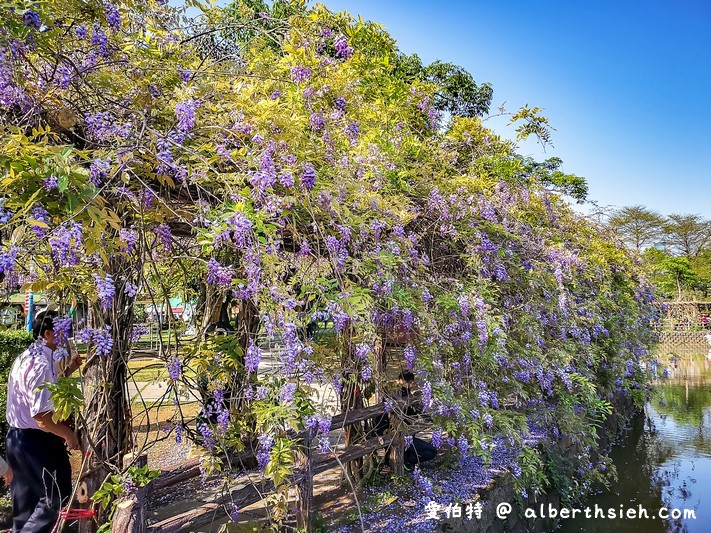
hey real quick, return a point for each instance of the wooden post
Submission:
(130, 515)
(352, 400)
(305, 487)
(397, 448)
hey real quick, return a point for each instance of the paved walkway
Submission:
(323, 396)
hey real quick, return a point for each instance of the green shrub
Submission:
(12, 343)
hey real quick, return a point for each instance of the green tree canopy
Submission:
(638, 226)
(687, 234)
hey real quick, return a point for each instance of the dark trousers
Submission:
(42, 479)
(419, 452)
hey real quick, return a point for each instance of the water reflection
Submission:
(665, 459)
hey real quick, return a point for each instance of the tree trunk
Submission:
(352, 399)
(305, 488)
(106, 430)
(380, 368)
(397, 448)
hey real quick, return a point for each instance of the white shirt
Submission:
(29, 371)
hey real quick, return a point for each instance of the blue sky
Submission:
(626, 84)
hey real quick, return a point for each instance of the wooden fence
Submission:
(302, 480)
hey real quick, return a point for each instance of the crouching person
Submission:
(416, 450)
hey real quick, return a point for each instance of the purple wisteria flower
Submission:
(81, 32)
(64, 76)
(102, 127)
(208, 436)
(352, 130)
(137, 332)
(233, 512)
(300, 74)
(275, 95)
(266, 442)
(323, 444)
(60, 353)
(130, 238)
(165, 236)
(218, 274)
(265, 177)
(100, 41)
(223, 420)
(410, 352)
(105, 290)
(316, 121)
(40, 214)
(342, 49)
(50, 183)
(66, 244)
(287, 392)
(286, 179)
(103, 340)
(241, 227)
(5, 214)
(63, 326)
(437, 435)
(185, 113)
(362, 350)
(304, 249)
(324, 425)
(174, 368)
(113, 18)
(252, 357)
(426, 395)
(31, 19)
(463, 445)
(308, 176)
(488, 420)
(99, 170)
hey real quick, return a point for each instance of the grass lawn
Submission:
(151, 370)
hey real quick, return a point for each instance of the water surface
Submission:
(665, 459)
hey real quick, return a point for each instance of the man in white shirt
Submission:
(36, 449)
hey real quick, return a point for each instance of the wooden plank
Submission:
(353, 452)
(242, 497)
(186, 520)
(191, 468)
(177, 473)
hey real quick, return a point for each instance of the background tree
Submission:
(638, 226)
(457, 94)
(687, 234)
(673, 276)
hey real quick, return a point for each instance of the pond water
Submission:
(665, 459)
